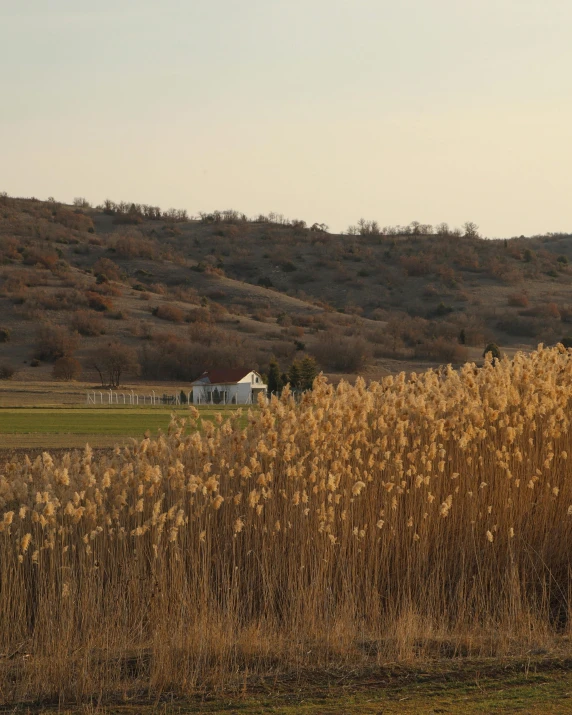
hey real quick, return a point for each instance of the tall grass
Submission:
(411, 518)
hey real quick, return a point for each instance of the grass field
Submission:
(480, 687)
(99, 426)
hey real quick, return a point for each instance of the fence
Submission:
(112, 397)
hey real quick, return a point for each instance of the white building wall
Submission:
(241, 391)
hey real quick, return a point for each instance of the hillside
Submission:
(221, 290)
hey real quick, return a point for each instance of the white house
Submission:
(233, 386)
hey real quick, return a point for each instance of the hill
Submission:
(183, 294)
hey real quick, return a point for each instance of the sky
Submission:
(322, 110)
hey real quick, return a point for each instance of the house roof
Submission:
(223, 375)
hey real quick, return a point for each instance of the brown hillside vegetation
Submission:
(224, 290)
(418, 518)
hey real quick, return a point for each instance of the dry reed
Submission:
(411, 518)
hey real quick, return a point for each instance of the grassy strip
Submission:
(467, 689)
(100, 427)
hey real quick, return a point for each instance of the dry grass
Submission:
(417, 518)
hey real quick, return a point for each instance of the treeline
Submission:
(468, 230)
(133, 213)
(299, 376)
(236, 217)
(415, 228)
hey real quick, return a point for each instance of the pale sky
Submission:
(325, 110)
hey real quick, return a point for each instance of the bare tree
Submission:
(113, 362)
(471, 229)
(81, 202)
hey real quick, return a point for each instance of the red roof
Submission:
(224, 375)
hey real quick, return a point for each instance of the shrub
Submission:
(441, 350)
(416, 265)
(199, 315)
(75, 220)
(566, 313)
(127, 220)
(54, 341)
(283, 350)
(344, 354)
(134, 245)
(109, 289)
(5, 334)
(217, 294)
(169, 312)
(262, 315)
(7, 371)
(66, 368)
(546, 310)
(107, 268)
(99, 302)
(429, 291)
(448, 277)
(518, 300)
(157, 288)
(58, 300)
(33, 257)
(87, 322)
(441, 310)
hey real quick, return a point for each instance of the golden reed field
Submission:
(418, 517)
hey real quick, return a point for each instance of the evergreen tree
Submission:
(308, 372)
(294, 376)
(495, 352)
(274, 379)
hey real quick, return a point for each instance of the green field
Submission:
(99, 426)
